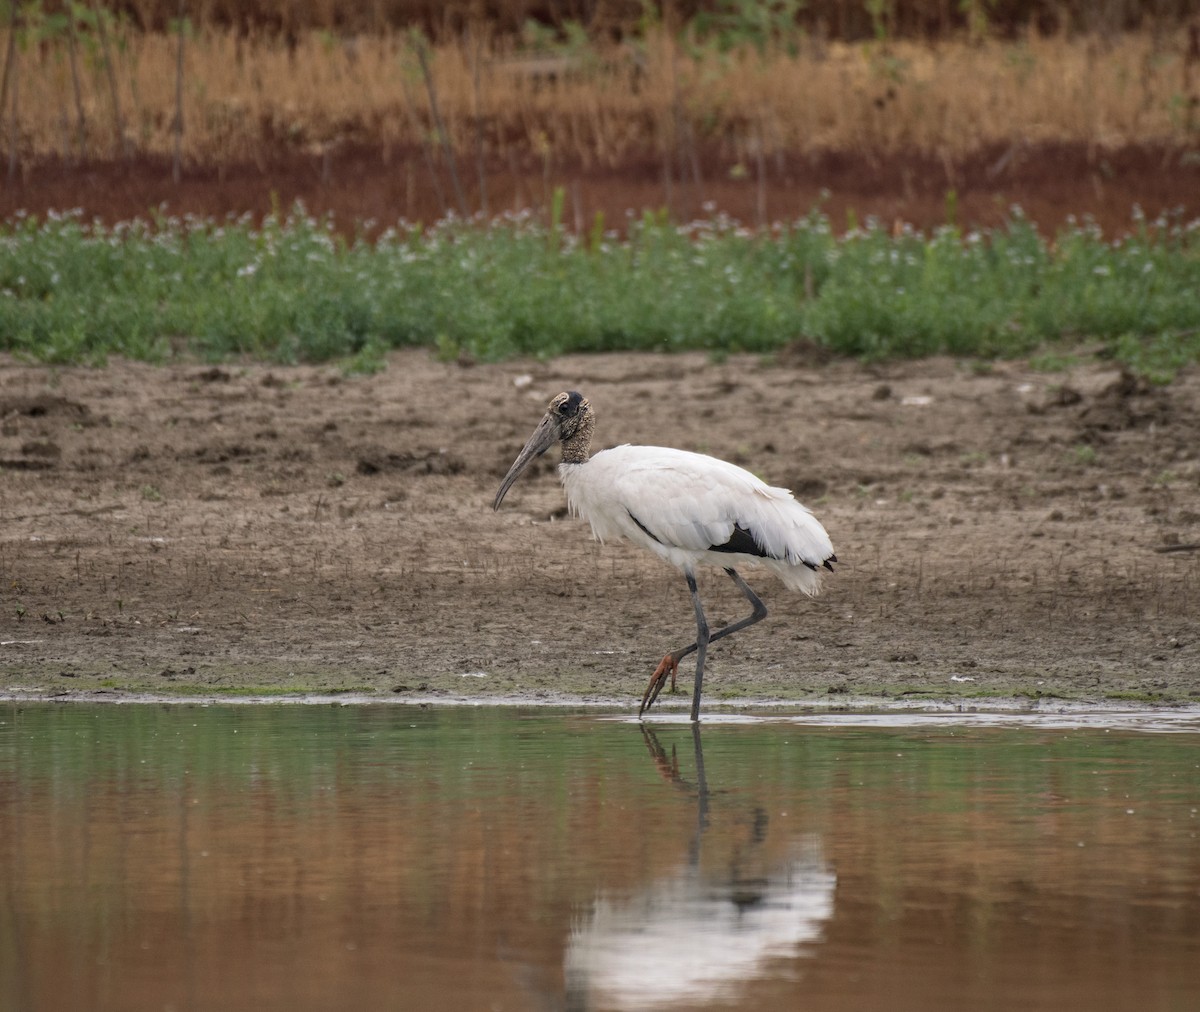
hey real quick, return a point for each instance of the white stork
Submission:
(685, 507)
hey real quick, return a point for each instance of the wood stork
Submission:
(685, 507)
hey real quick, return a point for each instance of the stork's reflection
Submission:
(700, 933)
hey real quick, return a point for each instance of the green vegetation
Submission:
(295, 289)
(1084, 454)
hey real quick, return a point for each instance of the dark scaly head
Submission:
(568, 420)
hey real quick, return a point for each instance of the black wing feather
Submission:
(742, 542)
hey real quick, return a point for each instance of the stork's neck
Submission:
(576, 448)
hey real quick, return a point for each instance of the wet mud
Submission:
(251, 529)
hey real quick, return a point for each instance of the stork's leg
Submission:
(670, 663)
(702, 639)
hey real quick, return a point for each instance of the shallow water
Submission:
(314, 857)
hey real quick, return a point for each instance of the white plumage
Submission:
(614, 956)
(687, 508)
(687, 503)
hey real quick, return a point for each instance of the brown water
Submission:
(318, 857)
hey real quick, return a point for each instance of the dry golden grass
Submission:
(241, 98)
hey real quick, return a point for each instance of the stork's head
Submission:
(568, 420)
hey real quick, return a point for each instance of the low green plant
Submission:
(368, 360)
(294, 289)
(1084, 454)
(1053, 361)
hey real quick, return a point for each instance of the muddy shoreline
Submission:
(248, 529)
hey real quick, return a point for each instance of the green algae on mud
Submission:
(275, 683)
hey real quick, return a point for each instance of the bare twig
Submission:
(760, 193)
(1191, 60)
(176, 164)
(10, 59)
(426, 150)
(480, 168)
(14, 130)
(121, 142)
(80, 116)
(418, 44)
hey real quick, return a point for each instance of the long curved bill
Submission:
(544, 437)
